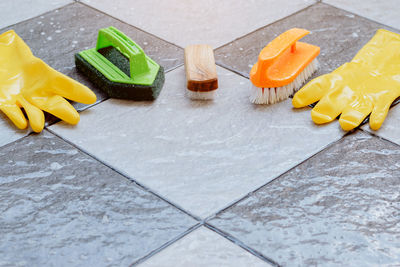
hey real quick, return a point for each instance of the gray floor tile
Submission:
(202, 155)
(386, 12)
(339, 208)
(59, 207)
(338, 33)
(56, 36)
(13, 11)
(203, 248)
(8, 132)
(198, 22)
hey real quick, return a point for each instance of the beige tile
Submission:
(386, 12)
(191, 21)
(203, 247)
(200, 155)
(15, 11)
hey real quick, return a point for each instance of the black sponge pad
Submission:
(120, 90)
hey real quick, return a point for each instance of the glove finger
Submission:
(330, 106)
(312, 91)
(35, 115)
(352, 116)
(60, 108)
(379, 113)
(66, 87)
(14, 113)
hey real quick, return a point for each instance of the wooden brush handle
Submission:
(201, 72)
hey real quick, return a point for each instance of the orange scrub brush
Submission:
(282, 67)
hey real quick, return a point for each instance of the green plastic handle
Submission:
(143, 70)
(113, 37)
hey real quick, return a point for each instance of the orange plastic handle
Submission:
(272, 52)
(280, 44)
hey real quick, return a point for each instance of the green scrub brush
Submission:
(120, 67)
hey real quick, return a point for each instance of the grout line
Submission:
(125, 22)
(241, 244)
(267, 25)
(214, 229)
(202, 222)
(278, 176)
(319, 2)
(380, 137)
(359, 15)
(73, 3)
(57, 120)
(102, 100)
(164, 246)
(366, 120)
(16, 140)
(290, 169)
(175, 67)
(240, 37)
(140, 185)
(42, 14)
(222, 65)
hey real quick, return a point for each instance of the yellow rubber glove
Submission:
(27, 82)
(366, 85)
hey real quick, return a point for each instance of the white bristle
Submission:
(196, 95)
(275, 94)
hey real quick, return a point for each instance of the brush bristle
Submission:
(198, 95)
(275, 94)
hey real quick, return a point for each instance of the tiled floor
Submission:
(343, 211)
(201, 156)
(75, 209)
(192, 21)
(177, 182)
